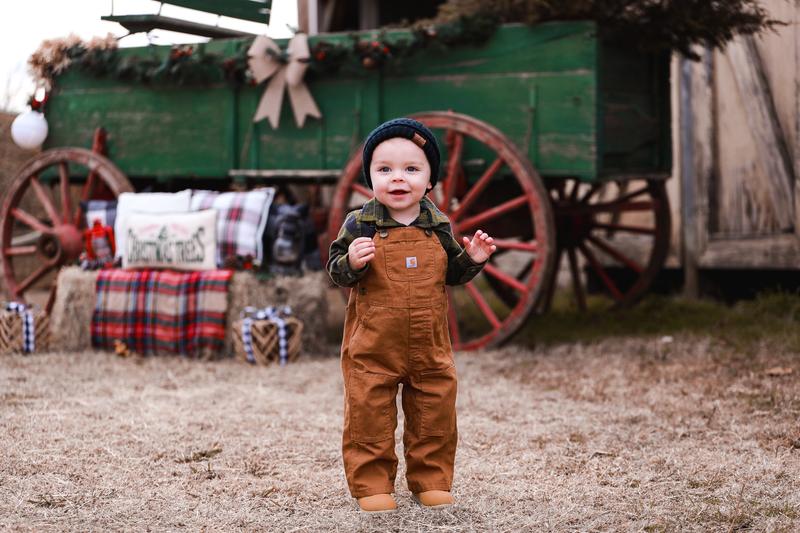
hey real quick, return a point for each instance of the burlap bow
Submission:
(264, 64)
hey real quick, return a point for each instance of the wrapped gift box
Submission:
(23, 329)
(257, 338)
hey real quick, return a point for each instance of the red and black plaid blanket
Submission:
(161, 311)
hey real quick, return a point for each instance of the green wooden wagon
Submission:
(555, 142)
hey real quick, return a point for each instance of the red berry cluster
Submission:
(178, 52)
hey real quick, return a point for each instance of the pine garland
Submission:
(675, 25)
(651, 24)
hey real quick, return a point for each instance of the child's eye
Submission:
(412, 169)
(383, 169)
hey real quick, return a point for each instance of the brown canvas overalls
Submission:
(396, 332)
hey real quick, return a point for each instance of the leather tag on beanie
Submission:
(418, 139)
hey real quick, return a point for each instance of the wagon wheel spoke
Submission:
(30, 220)
(617, 206)
(362, 189)
(550, 283)
(573, 193)
(494, 212)
(476, 189)
(20, 250)
(66, 201)
(591, 192)
(503, 244)
(577, 284)
(86, 194)
(624, 203)
(35, 276)
(482, 304)
(601, 272)
(505, 278)
(51, 299)
(615, 217)
(45, 200)
(455, 149)
(614, 228)
(452, 320)
(616, 254)
(560, 186)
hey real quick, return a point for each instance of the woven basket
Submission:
(265, 340)
(11, 338)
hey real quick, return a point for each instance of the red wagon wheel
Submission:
(617, 232)
(43, 225)
(486, 184)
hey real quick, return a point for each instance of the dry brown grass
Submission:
(622, 434)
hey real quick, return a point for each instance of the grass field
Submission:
(674, 416)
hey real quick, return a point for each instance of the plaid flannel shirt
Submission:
(363, 222)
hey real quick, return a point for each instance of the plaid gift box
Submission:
(264, 336)
(241, 219)
(23, 329)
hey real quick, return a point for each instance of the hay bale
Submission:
(75, 300)
(305, 294)
(71, 318)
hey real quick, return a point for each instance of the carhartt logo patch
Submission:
(411, 262)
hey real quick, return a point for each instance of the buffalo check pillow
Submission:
(241, 219)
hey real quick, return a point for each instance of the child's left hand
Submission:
(481, 247)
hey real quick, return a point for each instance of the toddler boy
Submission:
(397, 253)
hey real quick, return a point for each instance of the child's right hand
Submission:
(360, 252)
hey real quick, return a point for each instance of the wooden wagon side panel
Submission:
(154, 131)
(538, 86)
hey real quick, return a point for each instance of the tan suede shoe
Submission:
(434, 499)
(377, 503)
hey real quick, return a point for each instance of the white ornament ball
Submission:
(29, 130)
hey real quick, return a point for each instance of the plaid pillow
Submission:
(241, 219)
(103, 210)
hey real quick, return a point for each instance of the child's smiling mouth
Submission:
(398, 193)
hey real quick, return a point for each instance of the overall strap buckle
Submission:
(383, 233)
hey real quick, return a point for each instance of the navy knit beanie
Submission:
(407, 128)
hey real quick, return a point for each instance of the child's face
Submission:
(400, 173)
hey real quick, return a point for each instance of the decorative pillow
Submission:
(150, 202)
(103, 210)
(240, 223)
(185, 241)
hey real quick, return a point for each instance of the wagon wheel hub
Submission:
(572, 228)
(64, 244)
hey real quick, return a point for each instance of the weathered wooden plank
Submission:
(796, 121)
(253, 10)
(765, 127)
(773, 251)
(697, 135)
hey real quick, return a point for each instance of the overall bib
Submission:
(396, 332)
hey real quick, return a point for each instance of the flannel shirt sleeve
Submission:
(338, 267)
(460, 266)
